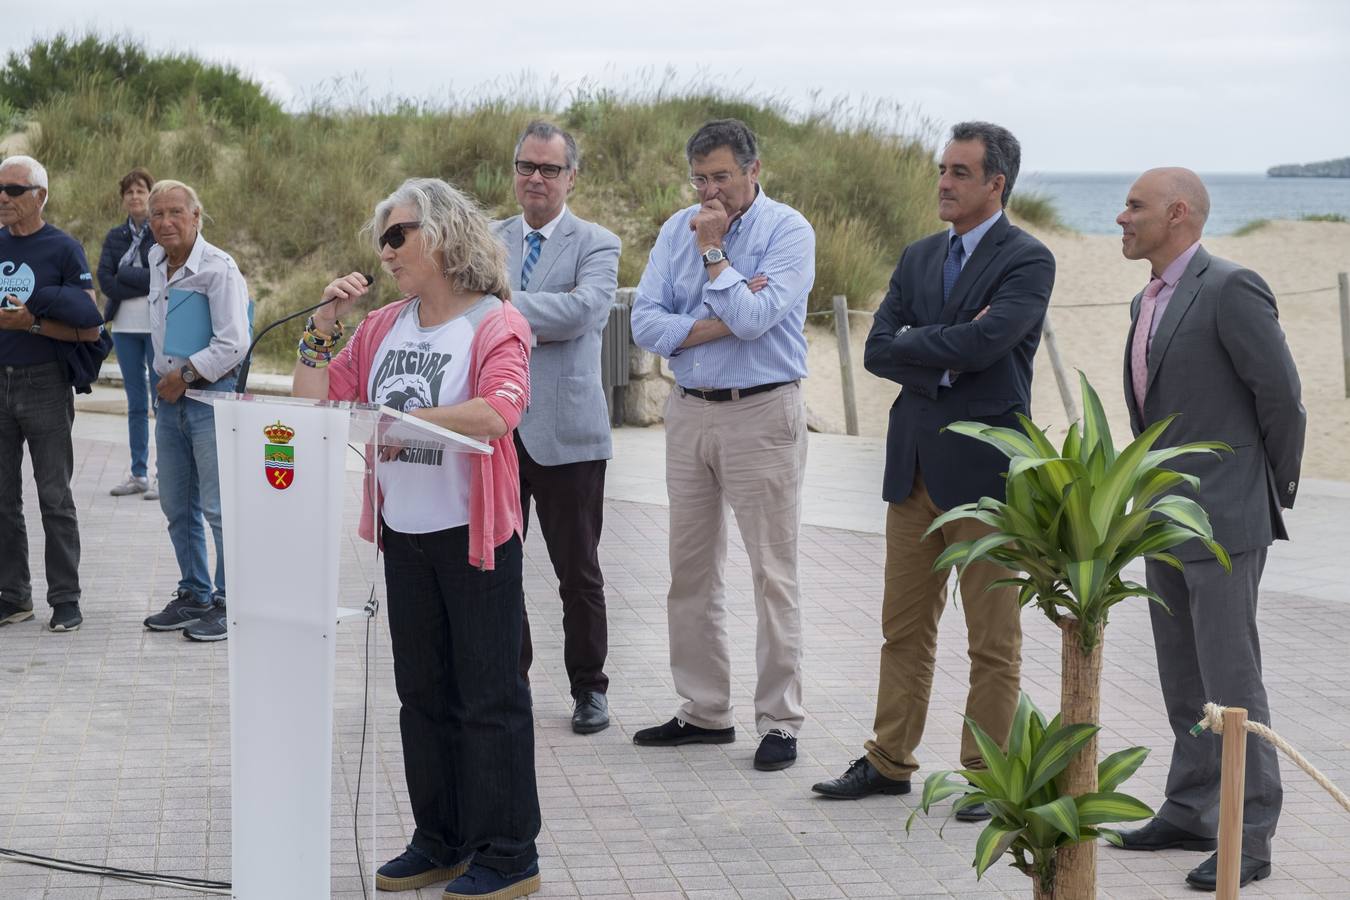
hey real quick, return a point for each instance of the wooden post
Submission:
(1344, 283)
(1080, 701)
(1061, 377)
(845, 363)
(1231, 789)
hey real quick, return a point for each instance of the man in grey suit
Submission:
(564, 272)
(1206, 343)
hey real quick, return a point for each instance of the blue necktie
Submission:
(536, 240)
(951, 267)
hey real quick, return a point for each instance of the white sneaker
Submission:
(152, 491)
(133, 485)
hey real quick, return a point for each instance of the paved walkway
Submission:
(114, 742)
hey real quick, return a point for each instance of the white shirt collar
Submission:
(546, 231)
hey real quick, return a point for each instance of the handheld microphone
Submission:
(241, 383)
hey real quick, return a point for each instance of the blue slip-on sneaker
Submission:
(11, 612)
(411, 870)
(482, 883)
(183, 610)
(212, 626)
(66, 617)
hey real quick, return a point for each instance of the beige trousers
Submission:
(750, 454)
(911, 606)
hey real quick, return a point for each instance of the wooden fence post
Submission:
(1344, 283)
(1061, 377)
(1231, 790)
(845, 363)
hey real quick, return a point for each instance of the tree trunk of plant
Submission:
(1080, 701)
(1040, 893)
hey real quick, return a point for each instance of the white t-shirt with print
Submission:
(426, 488)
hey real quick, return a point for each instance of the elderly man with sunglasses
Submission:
(563, 272)
(724, 298)
(46, 291)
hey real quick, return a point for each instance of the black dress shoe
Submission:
(1159, 834)
(677, 732)
(860, 780)
(1206, 875)
(976, 812)
(591, 713)
(777, 750)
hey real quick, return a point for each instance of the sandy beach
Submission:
(1298, 259)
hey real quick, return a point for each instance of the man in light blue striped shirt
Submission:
(723, 298)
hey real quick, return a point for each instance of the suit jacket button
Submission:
(1292, 485)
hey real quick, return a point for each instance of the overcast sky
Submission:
(1231, 86)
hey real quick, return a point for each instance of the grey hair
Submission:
(1002, 152)
(450, 222)
(37, 172)
(730, 133)
(163, 187)
(547, 131)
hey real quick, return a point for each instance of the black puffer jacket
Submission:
(128, 281)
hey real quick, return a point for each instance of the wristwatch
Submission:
(188, 374)
(712, 256)
(36, 327)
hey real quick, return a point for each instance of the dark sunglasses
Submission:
(396, 234)
(17, 190)
(548, 170)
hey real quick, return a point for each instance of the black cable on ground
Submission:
(203, 885)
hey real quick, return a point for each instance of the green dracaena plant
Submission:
(1076, 516)
(1031, 816)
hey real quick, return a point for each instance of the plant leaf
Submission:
(1116, 768)
(1107, 806)
(992, 843)
(1055, 751)
(1061, 814)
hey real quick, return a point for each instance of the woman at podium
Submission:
(454, 352)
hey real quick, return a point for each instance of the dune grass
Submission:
(288, 195)
(1251, 227)
(1323, 217)
(1035, 208)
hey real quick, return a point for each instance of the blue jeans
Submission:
(37, 407)
(136, 357)
(189, 489)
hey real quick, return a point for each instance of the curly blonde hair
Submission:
(452, 223)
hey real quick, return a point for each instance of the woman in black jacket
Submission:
(124, 276)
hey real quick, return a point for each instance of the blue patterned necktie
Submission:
(536, 240)
(951, 267)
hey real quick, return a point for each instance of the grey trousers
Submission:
(1208, 650)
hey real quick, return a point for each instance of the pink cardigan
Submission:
(499, 369)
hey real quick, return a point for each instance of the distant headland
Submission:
(1332, 168)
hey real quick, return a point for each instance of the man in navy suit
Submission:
(958, 330)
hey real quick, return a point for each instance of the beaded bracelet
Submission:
(319, 337)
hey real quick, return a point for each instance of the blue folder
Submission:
(187, 326)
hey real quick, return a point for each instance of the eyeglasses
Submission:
(396, 234)
(526, 168)
(721, 179)
(17, 190)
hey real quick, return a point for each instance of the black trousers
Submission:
(466, 723)
(37, 407)
(570, 504)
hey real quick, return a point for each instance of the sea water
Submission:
(1090, 202)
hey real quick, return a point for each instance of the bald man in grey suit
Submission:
(564, 272)
(1206, 343)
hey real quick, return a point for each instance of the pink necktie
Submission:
(1139, 347)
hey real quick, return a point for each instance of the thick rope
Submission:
(1213, 720)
